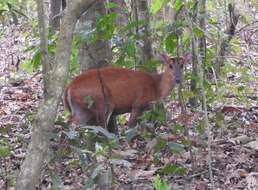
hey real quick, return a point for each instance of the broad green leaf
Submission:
(170, 43)
(106, 25)
(27, 66)
(178, 5)
(156, 5)
(160, 184)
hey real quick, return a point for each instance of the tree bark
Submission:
(144, 14)
(194, 100)
(91, 55)
(230, 31)
(202, 60)
(55, 8)
(37, 151)
(43, 31)
(95, 55)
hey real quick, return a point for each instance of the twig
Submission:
(197, 174)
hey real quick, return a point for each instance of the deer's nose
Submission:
(178, 80)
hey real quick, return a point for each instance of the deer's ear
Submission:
(164, 58)
(187, 57)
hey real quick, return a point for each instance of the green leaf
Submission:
(156, 5)
(20, 13)
(160, 145)
(130, 48)
(173, 169)
(181, 171)
(27, 66)
(134, 24)
(106, 26)
(178, 129)
(4, 151)
(219, 119)
(178, 5)
(169, 169)
(36, 60)
(160, 184)
(198, 32)
(111, 5)
(171, 43)
(2, 11)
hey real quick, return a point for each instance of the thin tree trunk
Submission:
(193, 100)
(55, 8)
(140, 10)
(43, 31)
(144, 14)
(35, 160)
(95, 55)
(230, 31)
(202, 60)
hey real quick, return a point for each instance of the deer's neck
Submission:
(165, 83)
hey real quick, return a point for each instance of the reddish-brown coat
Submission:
(126, 91)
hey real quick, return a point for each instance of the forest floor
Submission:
(234, 145)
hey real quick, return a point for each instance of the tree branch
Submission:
(36, 157)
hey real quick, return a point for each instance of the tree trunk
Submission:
(230, 32)
(144, 14)
(202, 60)
(35, 160)
(122, 17)
(97, 54)
(55, 8)
(140, 10)
(194, 100)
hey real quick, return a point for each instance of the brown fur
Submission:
(126, 91)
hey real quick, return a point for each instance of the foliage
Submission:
(157, 5)
(92, 152)
(160, 184)
(9, 9)
(34, 64)
(157, 115)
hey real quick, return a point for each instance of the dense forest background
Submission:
(203, 136)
